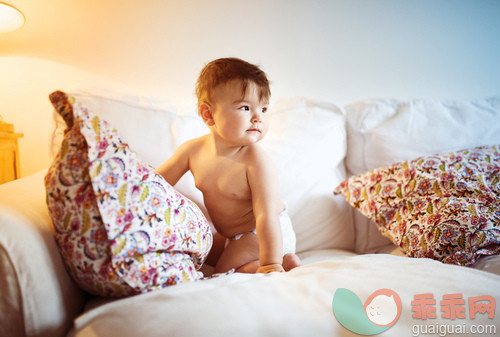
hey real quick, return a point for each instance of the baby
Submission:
(238, 180)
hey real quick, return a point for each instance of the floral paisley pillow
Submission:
(120, 227)
(444, 206)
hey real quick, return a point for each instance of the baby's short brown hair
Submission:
(223, 70)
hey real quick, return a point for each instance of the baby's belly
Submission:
(231, 218)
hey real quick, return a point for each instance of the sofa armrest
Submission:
(37, 297)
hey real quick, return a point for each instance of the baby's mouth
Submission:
(254, 130)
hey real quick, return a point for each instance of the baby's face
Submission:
(239, 119)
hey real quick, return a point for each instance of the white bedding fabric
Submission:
(298, 303)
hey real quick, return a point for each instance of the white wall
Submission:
(24, 89)
(340, 51)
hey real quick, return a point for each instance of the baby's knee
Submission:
(291, 261)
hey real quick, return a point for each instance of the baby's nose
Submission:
(255, 117)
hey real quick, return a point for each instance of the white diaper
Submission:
(289, 239)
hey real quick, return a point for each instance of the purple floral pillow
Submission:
(120, 227)
(444, 206)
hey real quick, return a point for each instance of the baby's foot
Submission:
(291, 261)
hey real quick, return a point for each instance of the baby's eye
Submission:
(245, 108)
(264, 110)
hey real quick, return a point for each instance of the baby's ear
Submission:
(206, 113)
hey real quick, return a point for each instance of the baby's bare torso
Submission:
(226, 193)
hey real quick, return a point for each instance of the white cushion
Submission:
(153, 129)
(384, 131)
(307, 142)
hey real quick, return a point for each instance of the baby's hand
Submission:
(270, 268)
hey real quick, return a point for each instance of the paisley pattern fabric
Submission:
(445, 206)
(121, 228)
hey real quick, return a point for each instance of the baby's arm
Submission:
(175, 166)
(267, 205)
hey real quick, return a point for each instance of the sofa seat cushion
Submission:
(121, 228)
(443, 206)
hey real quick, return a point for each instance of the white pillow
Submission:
(307, 142)
(384, 131)
(153, 129)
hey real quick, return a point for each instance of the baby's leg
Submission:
(238, 254)
(250, 267)
(217, 248)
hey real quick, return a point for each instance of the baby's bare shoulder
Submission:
(256, 152)
(193, 145)
(258, 158)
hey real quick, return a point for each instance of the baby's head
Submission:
(223, 70)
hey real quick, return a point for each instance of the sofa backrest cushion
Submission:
(381, 132)
(306, 140)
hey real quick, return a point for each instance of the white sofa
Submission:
(315, 145)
